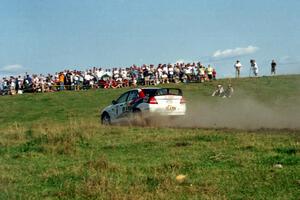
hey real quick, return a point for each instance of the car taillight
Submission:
(182, 100)
(152, 100)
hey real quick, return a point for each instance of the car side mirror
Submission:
(114, 102)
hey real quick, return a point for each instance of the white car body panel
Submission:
(166, 105)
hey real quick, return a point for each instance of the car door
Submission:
(121, 105)
(132, 98)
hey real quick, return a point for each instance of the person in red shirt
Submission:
(114, 84)
(214, 74)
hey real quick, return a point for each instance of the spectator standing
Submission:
(17, 84)
(171, 72)
(214, 73)
(146, 77)
(12, 86)
(124, 73)
(61, 78)
(202, 74)
(254, 67)
(27, 83)
(189, 71)
(273, 67)
(237, 67)
(5, 85)
(20, 85)
(165, 73)
(1, 85)
(209, 72)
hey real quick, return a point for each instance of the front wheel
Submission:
(105, 119)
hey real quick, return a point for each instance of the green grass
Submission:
(53, 147)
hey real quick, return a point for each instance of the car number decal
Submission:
(170, 108)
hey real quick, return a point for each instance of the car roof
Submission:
(150, 88)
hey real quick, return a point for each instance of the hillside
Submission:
(52, 146)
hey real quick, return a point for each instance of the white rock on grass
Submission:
(180, 178)
(279, 166)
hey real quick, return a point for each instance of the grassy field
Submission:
(53, 147)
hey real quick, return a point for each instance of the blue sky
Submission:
(42, 36)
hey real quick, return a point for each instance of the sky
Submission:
(46, 36)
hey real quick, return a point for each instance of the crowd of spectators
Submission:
(96, 77)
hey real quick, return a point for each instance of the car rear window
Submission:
(162, 91)
(149, 92)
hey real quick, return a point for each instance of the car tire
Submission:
(105, 119)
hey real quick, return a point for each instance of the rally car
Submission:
(145, 102)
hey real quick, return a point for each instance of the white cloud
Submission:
(231, 53)
(16, 68)
(287, 60)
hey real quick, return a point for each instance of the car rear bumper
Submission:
(167, 110)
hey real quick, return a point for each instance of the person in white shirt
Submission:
(108, 73)
(165, 69)
(124, 73)
(165, 77)
(76, 81)
(209, 71)
(87, 77)
(237, 67)
(159, 73)
(187, 69)
(171, 72)
(42, 80)
(35, 83)
(254, 67)
(202, 74)
(1, 84)
(116, 73)
(98, 73)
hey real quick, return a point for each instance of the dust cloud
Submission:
(240, 113)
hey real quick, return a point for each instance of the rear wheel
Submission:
(105, 119)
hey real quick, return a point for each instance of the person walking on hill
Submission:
(273, 67)
(254, 67)
(237, 67)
